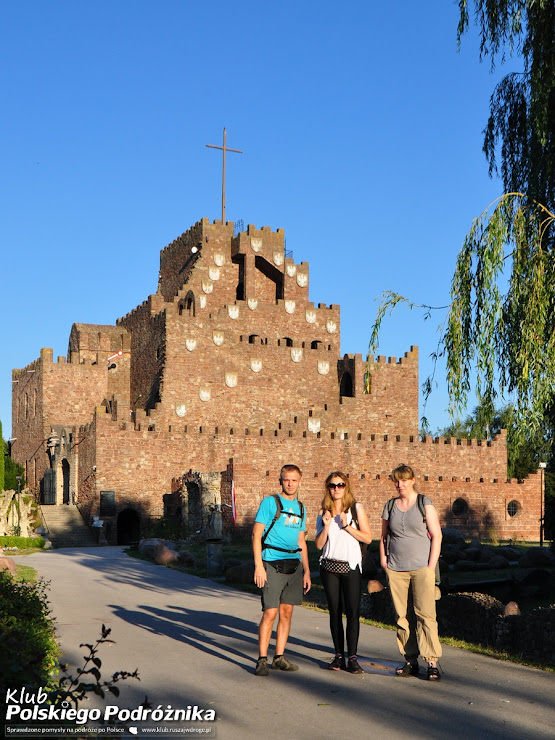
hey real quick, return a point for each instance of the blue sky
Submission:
(361, 127)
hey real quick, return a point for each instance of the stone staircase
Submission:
(66, 527)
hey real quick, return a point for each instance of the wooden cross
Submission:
(224, 150)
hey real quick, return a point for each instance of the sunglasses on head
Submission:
(336, 485)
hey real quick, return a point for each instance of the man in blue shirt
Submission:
(281, 567)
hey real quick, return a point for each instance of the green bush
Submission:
(28, 649)
(22, 543)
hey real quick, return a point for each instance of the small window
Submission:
(512, 508)
(459, 507)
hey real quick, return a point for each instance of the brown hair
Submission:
(290, 469)
(402, 472)
(348, 497)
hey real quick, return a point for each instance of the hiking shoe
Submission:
(261, 667)
(337, 663)
(282, 664)
(353, 666)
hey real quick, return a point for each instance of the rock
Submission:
(47, 545)
(186, 558)
(472, 553)
(511, 609)
(465, 565)
(8, 564)
(496, 562)
(231, 563)
(451, 554)
(486, 553)
(536, 557)
(162, 555)
(452, 536)
(146, 547)
(369, 566)
(374, 587)
(243, 573)
(511, 553)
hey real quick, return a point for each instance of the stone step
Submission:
(66, 527)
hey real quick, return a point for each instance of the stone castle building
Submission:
(221, 377)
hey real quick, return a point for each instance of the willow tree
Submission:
(500, 325)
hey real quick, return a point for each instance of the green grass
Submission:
(25, 574)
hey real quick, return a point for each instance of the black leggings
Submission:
(343, 594)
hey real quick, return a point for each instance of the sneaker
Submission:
(261, 667)
(337, 663)
(353, 666)
(282, 664)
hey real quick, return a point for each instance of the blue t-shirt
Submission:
(285, 532)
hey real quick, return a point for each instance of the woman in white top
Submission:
(340, 535)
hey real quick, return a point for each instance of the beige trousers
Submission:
(413, 596)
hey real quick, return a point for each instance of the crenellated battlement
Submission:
(410, 357)
(230, 367)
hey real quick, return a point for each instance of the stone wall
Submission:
(480, 619)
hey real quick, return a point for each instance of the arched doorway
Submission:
(65, 474)
(128, 527)
(346, 388)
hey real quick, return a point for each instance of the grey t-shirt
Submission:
(409, 544)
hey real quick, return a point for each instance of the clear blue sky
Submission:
(360, 125)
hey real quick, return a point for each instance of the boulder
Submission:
(537, 557)
(8, 564)
(511, 609)
(451, 554)
(186, 558)
(465, 565)
(496, 562)
(511, 553)
(486, 553)
(374, 587)
(472, 553)
(452, 536)
(243, 573)
(162, 555)
(231, 563)
(146, 547)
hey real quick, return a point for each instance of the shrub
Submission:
(22, 543)
(28, 650)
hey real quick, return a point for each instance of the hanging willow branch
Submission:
(500, 325)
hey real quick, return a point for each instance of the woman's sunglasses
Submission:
(336, 485)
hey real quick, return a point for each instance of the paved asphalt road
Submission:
(194, 642)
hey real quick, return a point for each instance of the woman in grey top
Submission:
(410, 562)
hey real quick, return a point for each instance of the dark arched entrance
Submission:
(346, 388)
(65, 473)
(128, 527)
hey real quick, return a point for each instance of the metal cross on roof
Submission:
(224, 149)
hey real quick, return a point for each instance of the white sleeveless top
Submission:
(340, 544)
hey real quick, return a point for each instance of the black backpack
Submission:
(279, 512)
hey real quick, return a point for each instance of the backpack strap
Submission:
(421, 507)
(390, 505)
(354, 516)
(279, 511)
